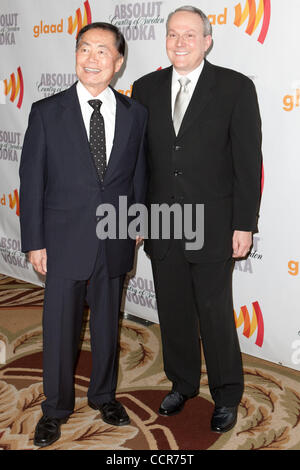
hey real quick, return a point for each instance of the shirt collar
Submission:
(193, 75)
(84, 95)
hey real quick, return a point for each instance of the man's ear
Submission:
(119, 64)
(208, 41)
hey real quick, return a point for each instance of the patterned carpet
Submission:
(269, 414)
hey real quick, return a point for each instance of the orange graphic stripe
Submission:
(11, 86)
(15, 88)
(250, 327)
(14, 201)
(264, 10)
(78, 22)
(253, 19)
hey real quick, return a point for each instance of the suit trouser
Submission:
(62, 323)
(192, 297)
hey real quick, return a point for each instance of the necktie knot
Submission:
(95, 104)
(184, 82)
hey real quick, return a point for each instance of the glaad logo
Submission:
(78, 22)
(250, 327)
(74, 24)
(254, 17)
(293, 268)
(175, 221)
(15, 87)
(292, 101)
(12, 200)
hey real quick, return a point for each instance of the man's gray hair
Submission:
(207, 28)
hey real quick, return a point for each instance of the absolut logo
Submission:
(8, 28)
(10, 145)
(51, 83)
(141, 291)
(138, 21)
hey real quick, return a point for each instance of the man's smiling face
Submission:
(97, 60)
(186, 45)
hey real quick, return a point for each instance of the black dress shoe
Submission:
(172, 404)
(224, 418)
(112, 412)
(47, 431)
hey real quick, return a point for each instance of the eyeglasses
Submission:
(186, 37)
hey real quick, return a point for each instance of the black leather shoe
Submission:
(224, 418)
(172, 404)
(112, 413)
(47, 431)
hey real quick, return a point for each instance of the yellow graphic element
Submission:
(251, 327)
(255, 17)
(263, 13)
(15, 89)
(14, 201)
(78, 22)
(257, 322)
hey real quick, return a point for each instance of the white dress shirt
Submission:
(108, 111)
(193, 76)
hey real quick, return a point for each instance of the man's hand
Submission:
(38, 259)
(138, 240)
(241, 243)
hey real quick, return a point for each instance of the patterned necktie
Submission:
(181, 103)
(97, 138)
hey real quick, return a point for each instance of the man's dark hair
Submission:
(120, 40)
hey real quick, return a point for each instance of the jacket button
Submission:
(177, 147)
(177, 173)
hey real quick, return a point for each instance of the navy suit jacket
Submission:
(60, 189)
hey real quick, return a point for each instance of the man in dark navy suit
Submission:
(83, 147)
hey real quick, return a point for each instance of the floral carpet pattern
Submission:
(268, 419)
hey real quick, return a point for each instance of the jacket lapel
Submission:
(124, 121)
(164, 104)
(203, 93)
(74, 125)
(75, 128)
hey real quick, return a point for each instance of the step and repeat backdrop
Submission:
(259, 38)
